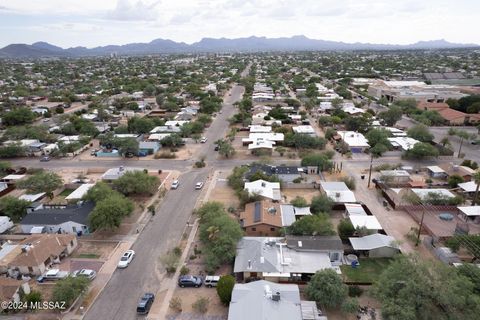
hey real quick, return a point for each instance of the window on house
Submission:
(254, 229)
(272, 229)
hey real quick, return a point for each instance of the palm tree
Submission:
(476, 179)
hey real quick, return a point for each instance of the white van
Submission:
(211, 281)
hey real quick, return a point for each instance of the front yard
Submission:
(368, 271)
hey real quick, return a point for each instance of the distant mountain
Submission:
(250, 44)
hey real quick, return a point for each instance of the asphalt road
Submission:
(119, 298)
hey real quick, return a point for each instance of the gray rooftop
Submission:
(314, 243)
(56, 216)
(253, 301)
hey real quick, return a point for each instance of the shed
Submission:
(375, 245)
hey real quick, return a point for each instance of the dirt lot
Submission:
(94, 249)
(222, 192)
(307, 194)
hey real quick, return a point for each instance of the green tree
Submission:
(69, 289)
(476, 179)
(314, 225)
(127, 146)
(378, 149)
(359, 124)
(99, 191)
(420, 132)
(321, 203)
(413, 288)
(13, 208)
(32, 297)
(43, 181)
(109, 212)
(4, 167)
(140, 125)
(12, 150)
(321, 161)
(173, 140)
(18, 116)
(345, 229)
(421, 150)
(224, 288)
(391, 116)
(454, 180)
(376, 136)
(225, 148)
(136, 183)
(326, 287)
(299, 202)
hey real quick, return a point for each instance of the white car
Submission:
(203, 140)
(175, 184)
(198, 185)
(87, 273)
(126, 259)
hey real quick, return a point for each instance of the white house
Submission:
(270, 190)
(355, 141)
(376, 245)
(338, 192)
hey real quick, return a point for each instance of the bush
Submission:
(297, 180)
(345, 229)
(299, 202)
(184, 270)
(350, 182)
(201, 305)
(176, 304)
(355, 291)
(165, 155)
(350, 305)
(224, 288)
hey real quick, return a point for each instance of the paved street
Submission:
(119, 298)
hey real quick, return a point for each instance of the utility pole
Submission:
(420, 227)
(370, 171)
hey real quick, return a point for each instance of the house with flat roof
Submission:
(72, 219)
(34, 254)
(337, 191)
(305, 129)
(265, 300)
(261, 218)
(284, 173)
(395, 176)
(424, 194)
(468, 188)
(376, 245)
(115, 173)
(331, 245)
(403, 143)
(270, 258)
(265, 189)
(290, 213)
(470, 213)
(12, 289)
(78, 193)
(436, 172)
(355, 141)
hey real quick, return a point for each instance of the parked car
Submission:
(211, 281)
(175, 184)
(126, 259)
(94, 152)
(198, 185)
(217, 147)
(145, 303)
(53, 274)
(45, 159)
(203, 140)
(190, 281)
(86, 273)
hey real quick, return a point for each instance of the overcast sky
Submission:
(100, 22)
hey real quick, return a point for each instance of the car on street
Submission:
(44, 159)
(86, 273)
(203, 140)
(52, 275)
(175, 184)
(198, 185)
(46, 120)
(145, 303)
(211, 281)
(126, 259)
(190, 281)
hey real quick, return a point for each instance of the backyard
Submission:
(368, 270)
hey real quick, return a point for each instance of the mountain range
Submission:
(250, 44)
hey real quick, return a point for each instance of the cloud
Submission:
(134, 11)
(181, 19)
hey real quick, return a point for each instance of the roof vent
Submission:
(268, 291)
(276, 296)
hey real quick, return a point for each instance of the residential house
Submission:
(395, 176)
(148, 147)
(468, 188)
(34, 254)
(284, 173)
(424, 194)
(451, 169)
(470, 213)
(436, 172)
(290, 213)
(403, 143)
(338, 192)
(78, 193)
(265, 300)
(12, 289)
(375, 246)
(72, 219)
(261, 218)
(355, 141)
(265, 189)
(115, 173)
(331, 245)
(270, 258)
(306, 129)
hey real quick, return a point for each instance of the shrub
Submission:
(184, 270)
(350, 182)
(176, 304)
(345, 229)
(224, 288)
(299, 202)
(297, 180)
(165, 155)
(201, 305)
(355, 291)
